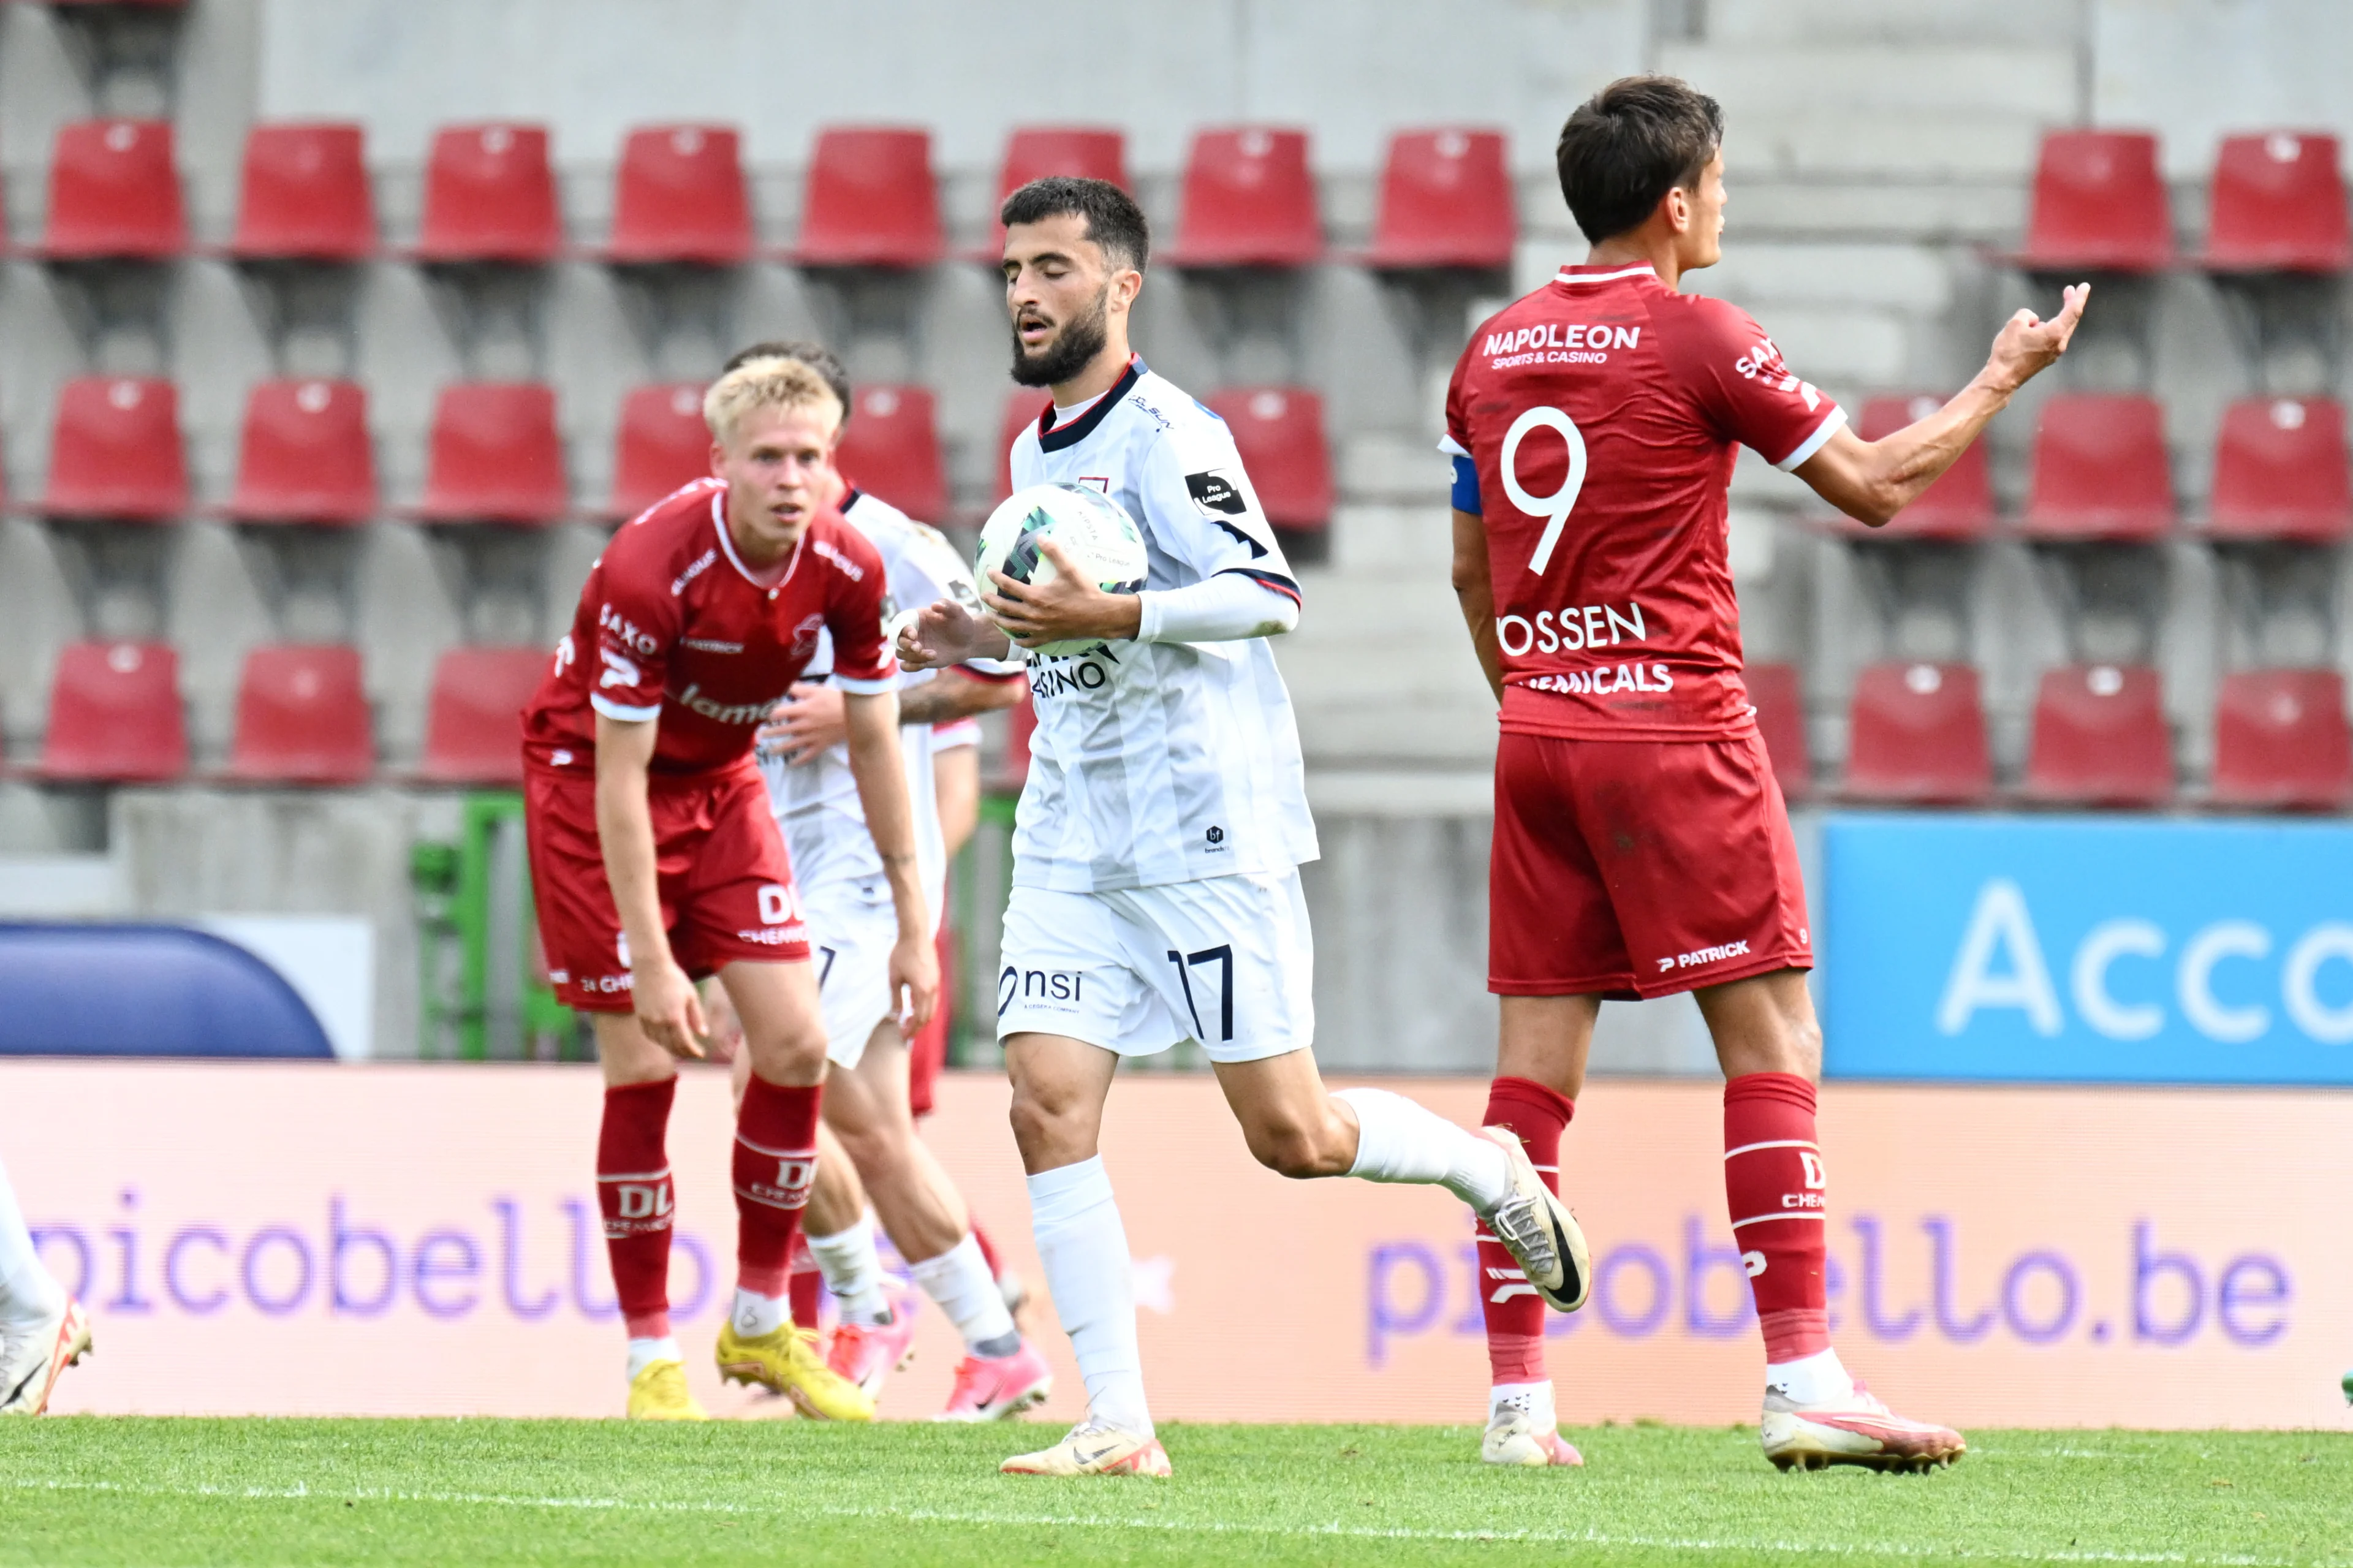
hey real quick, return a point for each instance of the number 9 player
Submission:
(1641, 847)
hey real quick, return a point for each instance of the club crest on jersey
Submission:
(1215, 495)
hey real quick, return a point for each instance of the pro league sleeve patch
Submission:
(1215, 495)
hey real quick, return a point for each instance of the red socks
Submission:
(1515, 1312)
(1775, 1187)
(775, 1157)
(633, 1193)
(804, 1284)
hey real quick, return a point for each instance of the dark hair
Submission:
(1630, 145)
(817, 356)
(1113, 220)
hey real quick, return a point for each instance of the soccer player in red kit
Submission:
(1641, 847)
(655, 861)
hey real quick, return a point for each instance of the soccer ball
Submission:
(1088, 526)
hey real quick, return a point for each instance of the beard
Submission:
(1078, 342)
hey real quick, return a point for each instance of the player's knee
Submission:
(1292, 1149)
(1038, 1124)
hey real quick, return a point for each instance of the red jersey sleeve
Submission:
(857, 602)
(637, 621)
(1737, 376)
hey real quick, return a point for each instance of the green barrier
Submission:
(480, 994)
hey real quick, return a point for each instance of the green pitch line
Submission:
(85, 1491)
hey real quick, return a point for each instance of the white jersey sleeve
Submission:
(1202, 510)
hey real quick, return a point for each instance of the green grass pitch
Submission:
(90, 1490)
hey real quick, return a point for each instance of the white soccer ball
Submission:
(1087, 525)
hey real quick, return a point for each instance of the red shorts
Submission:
(1632, 868)
(726, 888)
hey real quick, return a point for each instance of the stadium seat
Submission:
(872, 201)
(490, 196)
(1446, 200)
(2278, 205)
(2100, 738)
(662, 443)
(1959, 506)
(1775, 692)
(304, 196)
(301, 717)
(1916, 734)
(116, 451)
(1034, 152)
(2100, 470)
(1250, 201)
(473, 716)
(1022, 408)
(891, 447)
(495, 455)
(115, 716)
(114, 193)
(680, 197)
(305, 455)
(2281, 740)
(2279, 471)
(1279, 432)
(2099, 204)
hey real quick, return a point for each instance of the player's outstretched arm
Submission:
(1870, 481)
(946, 633)
(664, 999)
(1474, 590)
(813, 717)
(875, 763)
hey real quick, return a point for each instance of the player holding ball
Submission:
(1641, 847)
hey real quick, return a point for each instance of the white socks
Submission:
(1084, 1247)
(643, 1353)
(27, 1293)
(754, 1316)
(1536, 1398)
(1818, 1379)
(853, 1272)
(1399, 1140)
(959, 1281)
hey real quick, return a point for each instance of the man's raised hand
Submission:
(2028, 345)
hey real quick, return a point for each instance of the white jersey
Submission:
(816, 802)
(1161, 763)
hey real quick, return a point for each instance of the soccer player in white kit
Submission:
(868, 1144)
(1155, 884)
(43, 1330)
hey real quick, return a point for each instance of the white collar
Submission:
(727, 544)
(1636, 270)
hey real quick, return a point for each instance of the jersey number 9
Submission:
(1555, 508)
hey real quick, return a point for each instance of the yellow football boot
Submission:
(786, 1362)
(659, 1394)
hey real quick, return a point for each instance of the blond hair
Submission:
(764, 383)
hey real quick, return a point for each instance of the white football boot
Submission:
(33, 1354)
(1523, 1430)
(1856, 1430)
(1093, 1450)
(1536, 1228)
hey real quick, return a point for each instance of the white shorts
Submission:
(852, 926)
(1226, 961)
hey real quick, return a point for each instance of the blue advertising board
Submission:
(2087, 949)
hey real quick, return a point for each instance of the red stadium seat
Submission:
(872, 201)
(2100, 470)
(2099, 204)
(1279, 432)
(1959, 505)
(114, 193)
(495, 455)
(1021, 408)
(305, 455)
(116, 451)
(680, 197)
(1780, 700)
(1446, 200)
(1916, 733)
(891, 447)
(490, 196)
(2281, 741)
(2278, 205)
(473, 716)
(661, 444)
(305, 195)
(2279, 471)
(2100, 738)
(1034, 152)
(114, 714)
(301, 717)
(1250, 201)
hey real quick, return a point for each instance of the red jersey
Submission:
(1594, 425)
(673, 626)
